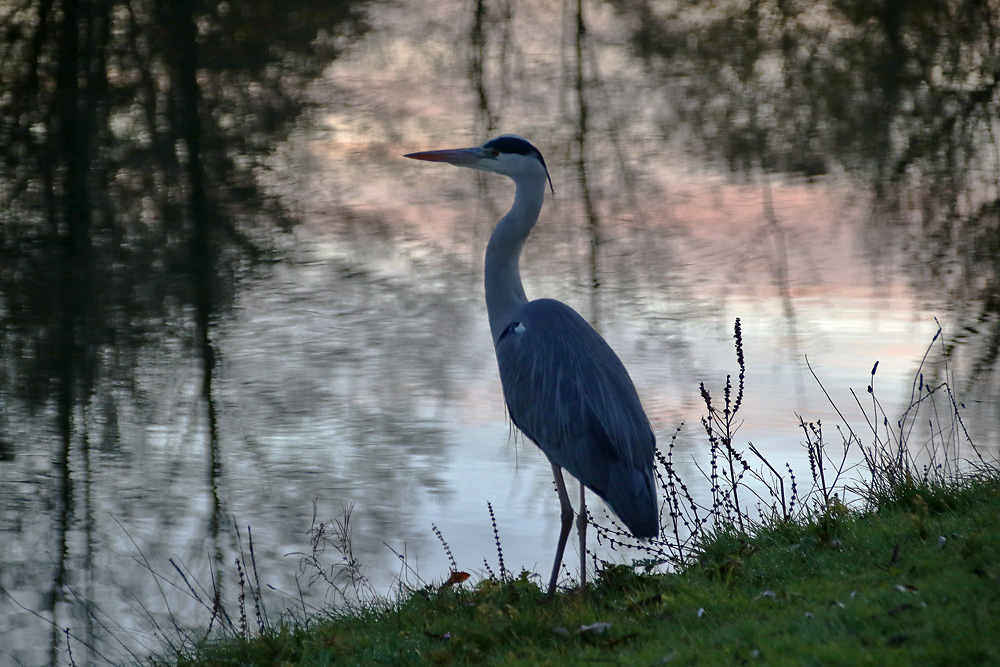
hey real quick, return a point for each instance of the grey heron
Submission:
(564, 386)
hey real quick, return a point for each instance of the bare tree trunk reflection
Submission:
(581, 137)
(72, 224)
(776, 232)
(477, 59)
(204, 258)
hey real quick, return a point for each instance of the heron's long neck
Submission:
(504, 292)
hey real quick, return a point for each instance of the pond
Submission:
(230, 311)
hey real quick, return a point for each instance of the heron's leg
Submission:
(566, 517)
(581, 527)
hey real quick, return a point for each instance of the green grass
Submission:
(879, 588)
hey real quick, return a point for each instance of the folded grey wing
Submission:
(569, 393)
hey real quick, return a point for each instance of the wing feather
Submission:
(569, 393)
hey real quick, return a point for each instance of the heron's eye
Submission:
(494, 152)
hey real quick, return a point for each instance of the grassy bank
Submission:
(915, 582)
(767, 568)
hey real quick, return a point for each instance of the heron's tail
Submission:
(632, 497)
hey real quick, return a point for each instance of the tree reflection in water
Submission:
(129, 207)
(903, 97)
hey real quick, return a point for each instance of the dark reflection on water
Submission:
(903, 97)
(210, 311)
(130, 207)
(900, 96)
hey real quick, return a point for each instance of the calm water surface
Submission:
(228, 314)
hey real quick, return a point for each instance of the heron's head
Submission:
(507, 154)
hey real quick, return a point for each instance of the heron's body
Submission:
(564, 386)
(585, 416)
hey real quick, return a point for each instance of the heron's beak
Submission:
(458, 156)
